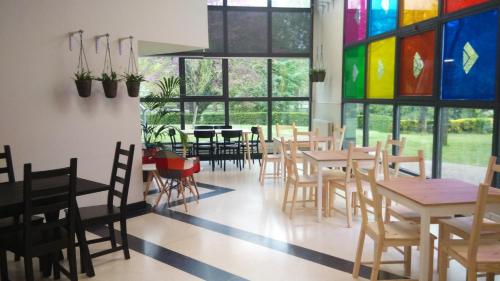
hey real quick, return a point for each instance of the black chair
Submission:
(206, 146)
(177, 147)
(46, 240)
(223, 127)
(204, 127)
(231, 147)
(102, 215)
(254, 144)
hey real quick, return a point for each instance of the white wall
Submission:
(328, 30)
(41, 115)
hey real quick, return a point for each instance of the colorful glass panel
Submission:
(469, 57)
(354, 72)
(381, 56)
(417, 64)
(355, 21)
(383, 15)
(415, 11)
(451, 6)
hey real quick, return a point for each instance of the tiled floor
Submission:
(238, 232)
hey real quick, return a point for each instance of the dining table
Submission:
(432, 198)
(12, 203)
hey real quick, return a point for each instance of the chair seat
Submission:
(10, 223)
(488, 251)
(397, 230)
(463, 227)
(273, 157)
(98, 214)
(405, 214)
(333, 174)
(305, 179)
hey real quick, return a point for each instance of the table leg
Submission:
(248, 154)
(424, 246)
(319, 193)
(148, 184)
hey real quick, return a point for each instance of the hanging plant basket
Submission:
(132, 77)
(133, 88)
(317, 75)
(109, 78)
(84, 88)
(83, 76)
(110, 88)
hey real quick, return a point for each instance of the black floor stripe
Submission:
(174, 259)
(216, 190)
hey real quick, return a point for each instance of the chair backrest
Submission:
(326, 143)
(204, 134)
(398, 145)
(255, 135)
(479, 225)
(281, 129)
(172, 166)
(307, 135)
(493, 168)
(204, 127)
(227, 127)
(262, 141)
(228, 135)
(123, 178)
(49, 201)
(374, 150)
(388, 159)
(339, 133)
(9, 168)
(374, 203)
(290, 155)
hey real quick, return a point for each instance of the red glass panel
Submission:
(455, 5)
(417, 64)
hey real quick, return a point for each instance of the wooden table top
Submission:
(340, 155)
(435, 192)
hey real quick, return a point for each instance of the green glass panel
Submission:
(354, 72)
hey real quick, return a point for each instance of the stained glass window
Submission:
(382, 16)
(354, 72)
(414, 11)
(355, 21)
(451, 6)
(381, 68)
(469, 57)
(417, 64)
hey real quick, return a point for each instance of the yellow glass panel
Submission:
(381, 56)
(413, 11)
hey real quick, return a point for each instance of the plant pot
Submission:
(110, 88)
(133, 88)
(321, 76)
(84, 88)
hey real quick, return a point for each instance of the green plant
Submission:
(317, 71)
(83, 75)
(130, 77)
(108, 77)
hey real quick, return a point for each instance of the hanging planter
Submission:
(317, 75)
(83, 77)
(109, 78)
(132, 77)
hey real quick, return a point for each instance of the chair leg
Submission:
(56, 266)
(262, 171)
(85, 259)
(193, 181)
(348, 199)
(377, 257)
(442, 254)
(28, 268)
(490, 276)
(4, 273)
(181, 192)
(294, 198)
(112, 237)
(359, 253)
(285, 197)
(407, 260)
(471, 274)
(124, 236)
(431, 260)
(73, 271)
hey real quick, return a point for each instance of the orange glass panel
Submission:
(415, 11)
(451, 6)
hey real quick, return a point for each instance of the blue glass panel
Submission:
(469, 57)
(383, 15)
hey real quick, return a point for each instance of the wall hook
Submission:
(131, 38)
(71, 35)
(97, 39)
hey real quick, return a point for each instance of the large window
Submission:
(379, 123)
(353, 122)
(247, 32)
(246, 114)
(204, 113)
(203, 77)
(291, 77)
(154, 68)
(291, 112)
(247, 77)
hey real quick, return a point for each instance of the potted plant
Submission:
(109, 83)
(133, 82)
(83, 81)
(317, 75)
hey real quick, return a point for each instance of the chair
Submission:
(204, 127)
(346, 184)
(231, 146)
(302, 138)
(209, 147)
(253, 144)
(477, 253)
(222, 127)
(295, 180)
(326, 144)
(179, 171)
(108, 214)
(175, 145)
(339, 133)
(384, 234)
(267, 158)
(281, 130)
(395, 147)
(45, 240)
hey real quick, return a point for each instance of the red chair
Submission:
(178, 172)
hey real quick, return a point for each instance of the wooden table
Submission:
(245, 134)
(432, 198)
(334, 159)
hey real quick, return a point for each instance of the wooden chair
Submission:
(478, 253)
(302, 139)
(346, 184)
(284, 130)
(317, 143)
(267, 158)
(108, 214)
(339, 134)
(9, 167)
(45, 240)
(385, 234)
(295, 180)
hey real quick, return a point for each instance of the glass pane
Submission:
(291, 32)
(382, 16)
(203, 77)
(214, 2)
(153, 119)
(416, 125)
(467, 140)
(289, 112)
(247, 77)
(215, 31)
(248, 3)
(469, 57)
(246, 114)
(290, 77)
(203, 113)
(381, 69)
(379, 123)
(354, 72)
(155, 68)
(292, 3)
(416, 11)
(247, 32)
(417, 65)
(451, 6)
(353, 122)
(355, 21)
